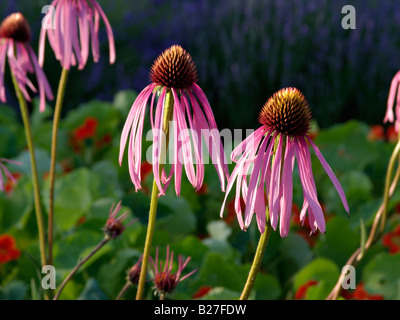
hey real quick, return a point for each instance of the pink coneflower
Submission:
(114, 226)
(15, 35)
(8, 174)
(165, 280)
(174, 73)
(70, 28)
(268, 157)
(390, 116)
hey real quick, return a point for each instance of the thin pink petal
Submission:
(330, 173)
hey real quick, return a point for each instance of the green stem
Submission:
(76, 268)
(56, 120)
(389, 174)
(35, 180)
(255, 267)
(168, 112)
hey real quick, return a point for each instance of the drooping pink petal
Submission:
(183, 136)
(254, 179)
(287, 189)
(3, 54)
(392, 95)
(142, 98)
(44, 86)
(275, 185)
(330, 173)
(238, 172)
(197, 143)
(108, 29)
(307, 181)
(222, 164)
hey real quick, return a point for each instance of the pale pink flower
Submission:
(267, 157)
(394, 99)
(175, 72)
(6, 171)
(14, 45)
(164, 279)
(71, 27)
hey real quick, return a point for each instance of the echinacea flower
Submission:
(174, 73)
(268, 156)
(165, 280)
(15, 35)
(8, 174)
(394, 99)
(8, 249)
(71, 26)
(114, 226)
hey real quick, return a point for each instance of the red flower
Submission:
(8, 249)
(231, 210)
(87, 130)
(203, 290)
(302, 290)
(145, 169)
(392, 240)
(376, 132)
(203, 189)
(361, 294)
(391, 134)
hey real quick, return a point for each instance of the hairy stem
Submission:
(168, 112)
(255, 267)
(35, 179)
(56, 120)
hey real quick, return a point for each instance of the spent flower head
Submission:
(114, 226)
(134, 271)
(72, 26)
(268, 155)
(164, 279)
(174, 76)
(15, 35)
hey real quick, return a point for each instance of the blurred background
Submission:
(244, 52)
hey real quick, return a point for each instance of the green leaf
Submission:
(221, 293)
(339, 241)
(92, 291)
(322, 270)
(267, 287)
(15, 290)
(381, 276)
(114, 274)
(180, 219)
(69, 250)
(219, 272)
(72, 197)
(295, 253)
(346, 146)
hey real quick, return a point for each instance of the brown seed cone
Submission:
(287, 112)
(174, 68)
(16, 27)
